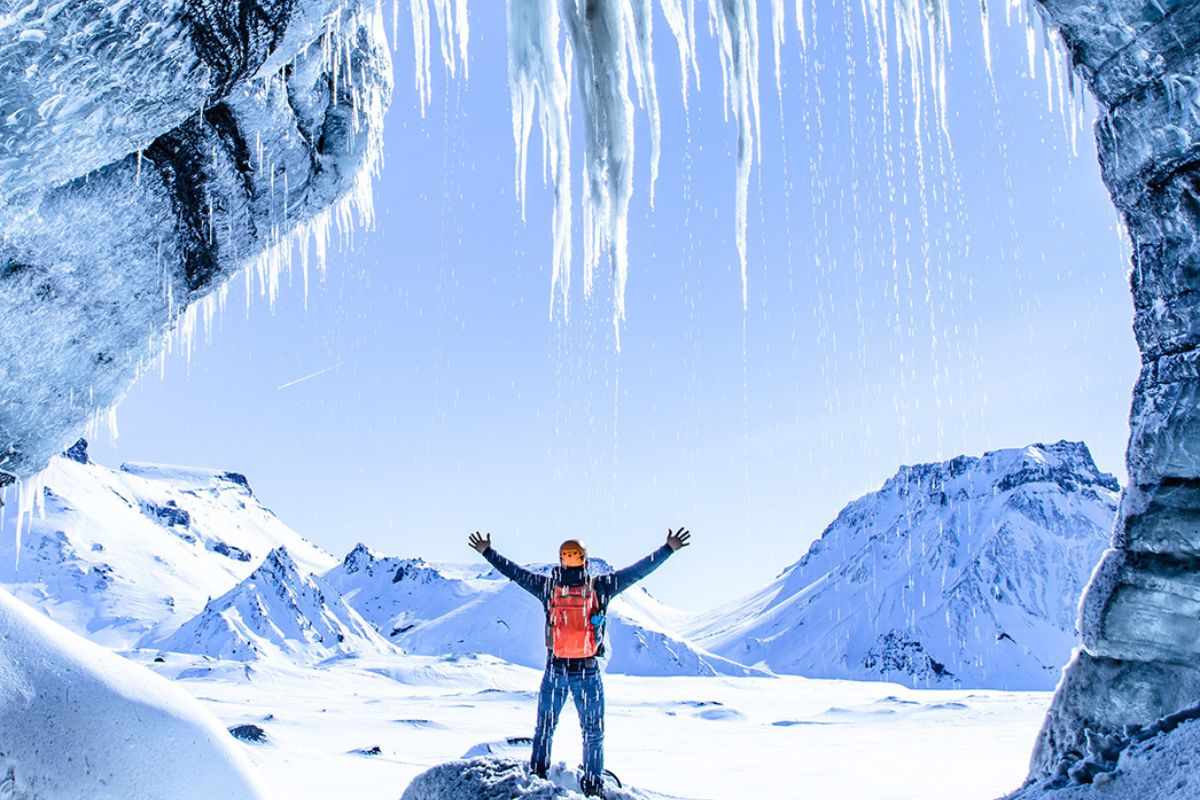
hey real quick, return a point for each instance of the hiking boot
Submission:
(592, 787)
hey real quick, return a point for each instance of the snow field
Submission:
(689, 737)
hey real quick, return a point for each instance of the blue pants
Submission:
(585, 688)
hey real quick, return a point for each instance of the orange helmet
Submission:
(572, 553)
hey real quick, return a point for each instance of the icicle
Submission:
(419, 11)
(453, 34)
(987, 35)
(1031, 50)
(680, 20)
(643, 64)
(778, 21)
(536, 82)
(599, 41)
(31, 497)
(114, 431)
(736, 25)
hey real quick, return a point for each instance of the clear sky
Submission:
(904, 306)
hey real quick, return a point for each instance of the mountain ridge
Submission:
(974, 554)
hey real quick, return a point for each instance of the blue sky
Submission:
(874, 336)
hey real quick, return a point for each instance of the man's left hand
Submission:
(677, 540)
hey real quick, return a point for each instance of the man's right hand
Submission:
(480, 543)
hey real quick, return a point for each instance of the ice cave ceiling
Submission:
(224, 135)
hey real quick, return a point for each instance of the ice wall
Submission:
(1140, 616)
(147, 152)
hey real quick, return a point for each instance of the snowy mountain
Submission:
(439, 609)
(188, 560)
(963, 573)
(276, 609)
(117, 555)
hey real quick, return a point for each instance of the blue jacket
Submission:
(606, 586)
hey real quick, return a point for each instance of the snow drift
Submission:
(77, 721)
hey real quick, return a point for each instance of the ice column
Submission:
(1140, 616)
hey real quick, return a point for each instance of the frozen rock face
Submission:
(149, 151)
(1140, 617)
(965, 573)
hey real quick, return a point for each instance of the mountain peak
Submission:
(188, 477)
(280, 558)
(1066, 463)
(78, 452)
(361, 557)
(279, 566)
(941, 577)
(278, 608)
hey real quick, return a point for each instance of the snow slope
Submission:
(963, 573)
(277, 609)
(439, 609)
(117, 555)
(77, 721)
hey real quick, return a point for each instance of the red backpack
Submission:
(571, 631)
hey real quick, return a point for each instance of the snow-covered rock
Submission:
(77, 721)
(491, 778)
(116, 555)
(277, 609)
(442, 609)
(963, 573)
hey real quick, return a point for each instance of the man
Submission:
(576, 603)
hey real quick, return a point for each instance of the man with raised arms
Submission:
(576, 603)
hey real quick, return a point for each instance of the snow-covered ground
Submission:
(714, 737)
